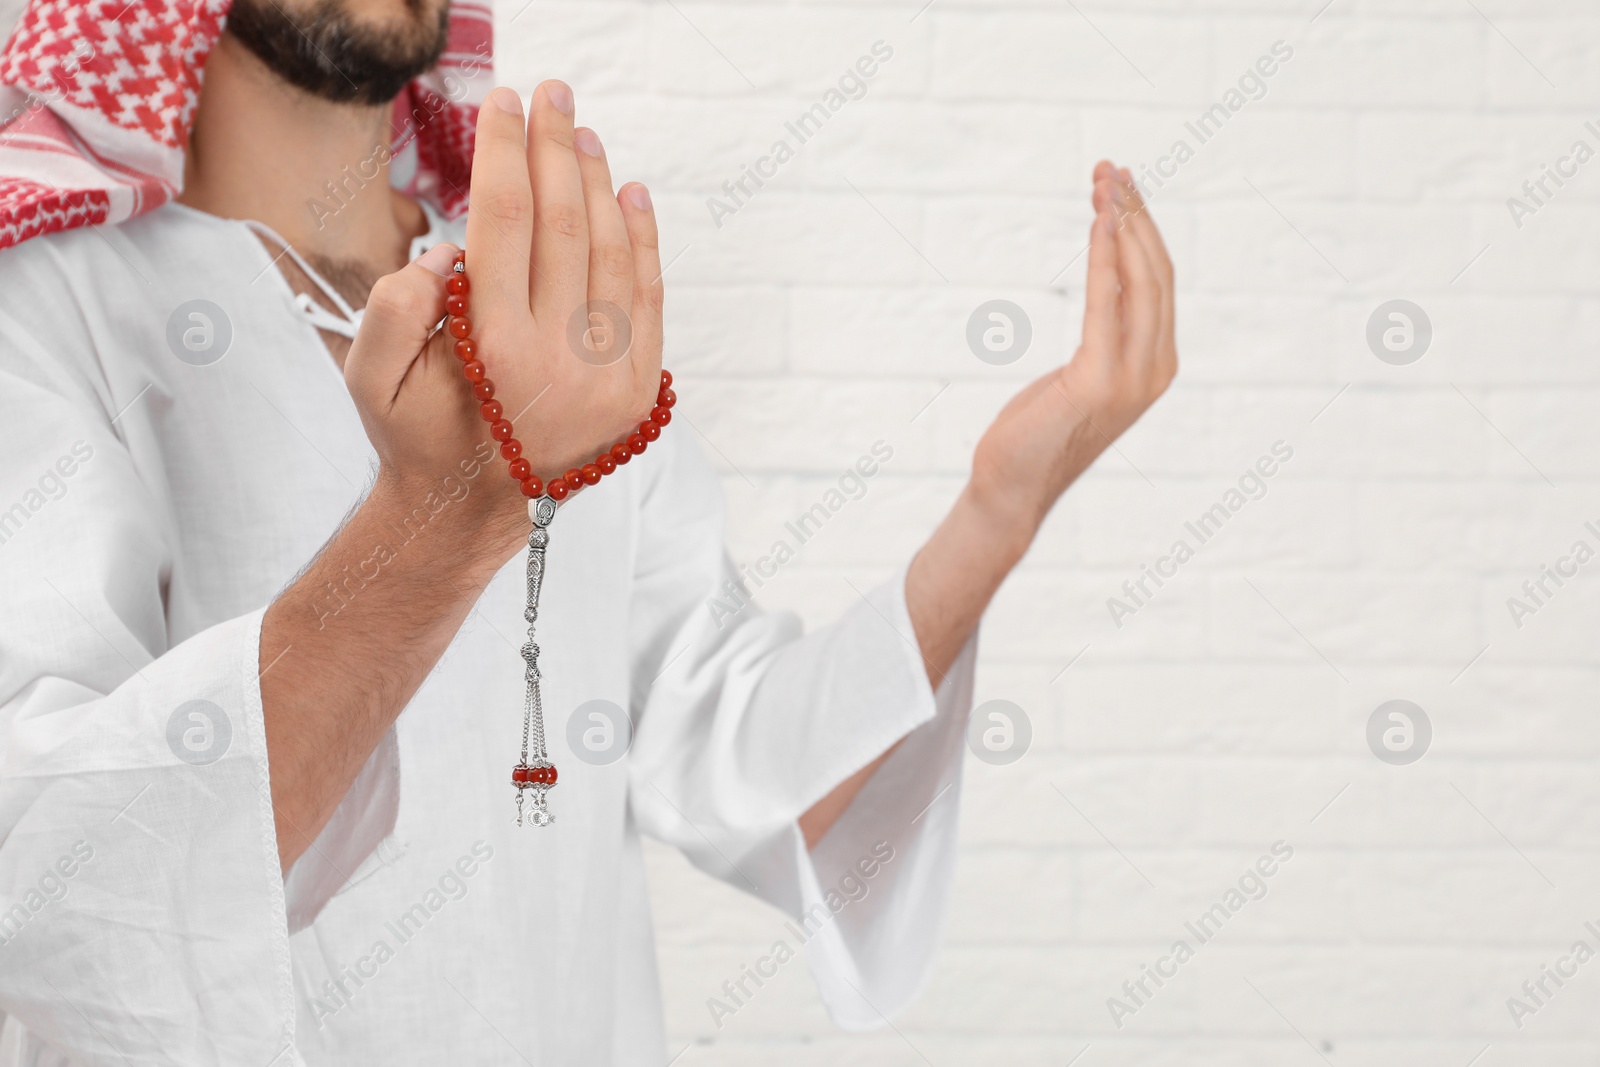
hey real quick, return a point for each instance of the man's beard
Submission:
(330, 55)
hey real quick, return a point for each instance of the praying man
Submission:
(263, 568)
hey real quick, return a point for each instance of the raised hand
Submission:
(566, 281)
(546, 241)
(1046, 436)
(1050, 432)
(1041, 441)
(565, 307)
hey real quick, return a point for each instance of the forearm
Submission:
(948, 587)
(346, 646)
(955, 575)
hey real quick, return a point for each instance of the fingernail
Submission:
(1119, 193)
(559, 96)
(640, 197)
(441, 259)
(508, 101)
(588, 142)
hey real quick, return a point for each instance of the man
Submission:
(261, 703)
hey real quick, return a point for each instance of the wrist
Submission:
(459, 529)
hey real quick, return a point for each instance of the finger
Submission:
(560, 223)
(1102, 305)
(500, 222)
(640, 216)
(1141, 292)
(610, 254)
(1106, 180)
(1144, 225)
(401, 312)
(1155, 249)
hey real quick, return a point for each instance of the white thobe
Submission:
(152, 506)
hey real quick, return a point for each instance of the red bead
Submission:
(606, 462)
(660, 416)
(484, 390)
(500, 430)
(650, 430)
(511, 449)
(557, 489)
(550, 775)
(666, 398)
(457, 284)
(521, 470)
(455, 305)
(519, 775)
(541, 775)
(459, 326)
(621, 454)
(490, 410)
(666, 378)
(637, 443)
(574, 479)
(532, 488)
(590, 474)
(466, 349)
(475, 371)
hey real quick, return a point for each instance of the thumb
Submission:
(402, 311)
(1102, 312)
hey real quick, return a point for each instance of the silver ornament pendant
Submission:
(534, 776)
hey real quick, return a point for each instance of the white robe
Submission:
(151, 508)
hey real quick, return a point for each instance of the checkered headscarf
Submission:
(97, 98)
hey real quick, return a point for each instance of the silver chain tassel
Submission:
(526, 777)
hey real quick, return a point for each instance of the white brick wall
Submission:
(1208, 727)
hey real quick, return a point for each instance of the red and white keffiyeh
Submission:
(97, 98)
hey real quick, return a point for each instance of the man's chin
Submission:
(346, 56)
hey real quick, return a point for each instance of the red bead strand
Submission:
(459, 326)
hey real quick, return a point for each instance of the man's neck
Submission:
(313, 170)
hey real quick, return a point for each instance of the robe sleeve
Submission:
(143, 916)
(743, 724)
